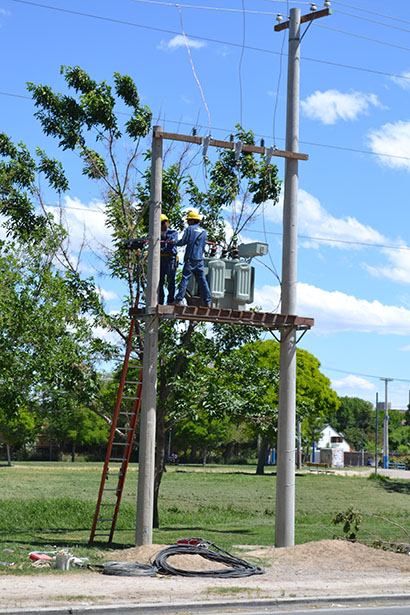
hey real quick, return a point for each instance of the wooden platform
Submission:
(265, 320)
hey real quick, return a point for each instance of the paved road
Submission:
(232, 608)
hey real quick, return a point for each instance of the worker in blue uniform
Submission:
(194, 238)
(168, 261)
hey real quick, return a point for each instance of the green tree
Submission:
(85, 121)
(315, 399)
(354, 419)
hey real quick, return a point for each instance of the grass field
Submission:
(47, 505)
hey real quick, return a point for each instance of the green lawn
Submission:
(47, 505)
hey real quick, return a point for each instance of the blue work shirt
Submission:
(194, 238)
(169, 249)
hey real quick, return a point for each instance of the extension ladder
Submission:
(119, 447)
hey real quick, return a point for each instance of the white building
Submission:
(330, 438)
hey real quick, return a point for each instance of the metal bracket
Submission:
(238, 149)
(205, 145)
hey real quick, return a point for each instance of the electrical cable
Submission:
(208, 39)
(366, 38)
(236, 567)
(207, 8)
(380, 23)
(193, 67)
(342, 371)
(332, 240)
(240, 62)
(356, 8)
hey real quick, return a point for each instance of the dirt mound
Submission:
(339, 554)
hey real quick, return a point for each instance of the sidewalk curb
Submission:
(223, 606)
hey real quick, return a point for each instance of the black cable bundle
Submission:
(189, 546)
(208, 550)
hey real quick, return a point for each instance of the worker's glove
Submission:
(133, 244)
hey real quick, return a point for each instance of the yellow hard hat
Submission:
(164, 218)
(192, 215)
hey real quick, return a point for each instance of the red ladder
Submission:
(124, 423)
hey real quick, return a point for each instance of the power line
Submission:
(207, 8)
(356, 8)
(342, 371)
(332, 240)
(366, 38)
(262, 136)
(208, 39)
(380, 23)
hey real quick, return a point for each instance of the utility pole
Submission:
(376, 452)
(146, 460)
(285, 477)
(386, 426)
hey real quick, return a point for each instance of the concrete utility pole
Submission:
(146, 464)
(386, 426)
(285, 478)
(376, 450)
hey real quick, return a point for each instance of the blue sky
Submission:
(354, 248)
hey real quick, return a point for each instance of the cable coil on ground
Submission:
(236, 567)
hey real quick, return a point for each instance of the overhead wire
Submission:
(193, 67)
(366, 38)
(207, 8)
(357, 8)
(342, 371)
(240, 61)
(264, 136)
(209, 39)
(380, 23)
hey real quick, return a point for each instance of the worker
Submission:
(194, 238)
(168, 261)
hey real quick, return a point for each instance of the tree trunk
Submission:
(8, 455)
(204, 454)
(228, 452)
(73, 452)
(159, 461)
(262, 457)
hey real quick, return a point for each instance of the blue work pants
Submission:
(168, 270)
(195, 267)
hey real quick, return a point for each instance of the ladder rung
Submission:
(101, 519)
(133, 381)
(102, 533)
(127, 398)
(111, 489)
(125, 428)
(118, 458)
(120, 443)
(115, 473)
(108, 504)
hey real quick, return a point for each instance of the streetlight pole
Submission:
(386, 425)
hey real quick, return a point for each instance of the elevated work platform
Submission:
(265, 320)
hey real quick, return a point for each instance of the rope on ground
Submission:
(236, 567)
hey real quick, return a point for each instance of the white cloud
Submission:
(353, 382)
(398, 269)
(315, 221)
(403, 80)
(330, 106)
(86, 225)
(5, 12)
(392, 140)
(179, 41)
(107, 295)
(335, 311)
